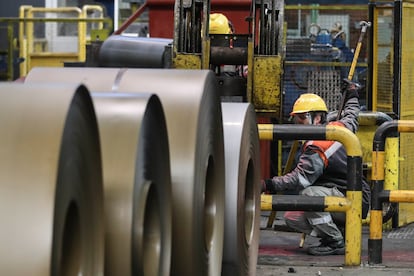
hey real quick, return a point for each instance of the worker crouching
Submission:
(321, 170)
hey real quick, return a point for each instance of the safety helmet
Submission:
(337, 31)
(219, 24)
(336, 27)
(308, 102)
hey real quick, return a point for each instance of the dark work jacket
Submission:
(323, 163)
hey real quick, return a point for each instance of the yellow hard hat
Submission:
(336, 27)
(308, 102)
(219, 24)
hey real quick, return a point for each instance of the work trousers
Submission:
(317, 224)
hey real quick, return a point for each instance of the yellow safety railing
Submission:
(379, 194)
(93, 11)
(52, 36)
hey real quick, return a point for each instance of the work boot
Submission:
(328, 248)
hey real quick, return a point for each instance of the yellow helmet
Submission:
(308, 102)
(219, 24)
(336, 27)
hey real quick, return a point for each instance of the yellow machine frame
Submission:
(264, 83)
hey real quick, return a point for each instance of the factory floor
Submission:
(280, 253)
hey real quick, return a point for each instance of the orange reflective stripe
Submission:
(323, 156)
(325, 148)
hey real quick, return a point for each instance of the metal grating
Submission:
(401, 233)
(327, 85)
(384, 59)
(406, 160)
(315, 54)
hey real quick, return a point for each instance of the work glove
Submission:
(349, 89)
(266, 185)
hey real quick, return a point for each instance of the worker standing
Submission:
(321, 170)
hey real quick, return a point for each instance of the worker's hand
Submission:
(266, 185)
(349, 89)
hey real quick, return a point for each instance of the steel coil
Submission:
(242, 208)
(195, 133)
(51, 194)
(194, 122)
(134, 52)
(137, 183)
(96, 79)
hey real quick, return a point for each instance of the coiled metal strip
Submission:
(137, 183)
(134, 52)
(242, 212)
(195, 134)
(51, 198)
(194, 122)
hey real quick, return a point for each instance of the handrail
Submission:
(298, 203)
(27, 18)
(353, 226)
(88, 8)
(379, 195)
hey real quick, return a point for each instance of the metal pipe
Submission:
(131, 19)
(308, 203)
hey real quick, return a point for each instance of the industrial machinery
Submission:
(273, 68)
(256, 44)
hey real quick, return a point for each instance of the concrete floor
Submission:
(280, 254)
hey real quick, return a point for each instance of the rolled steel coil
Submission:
(195, 133)
(137, 183)
(242, 207)
(194, 122)
(51, 195)
(136, 162)
(96, 79)
(134, 52)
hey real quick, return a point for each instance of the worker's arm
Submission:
(308, 169)
(351, 107)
